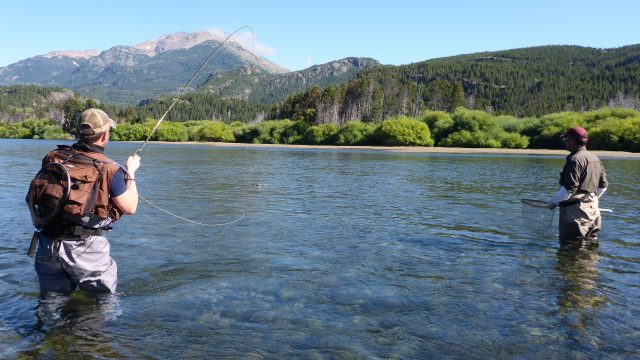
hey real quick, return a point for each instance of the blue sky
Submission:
(298, 34)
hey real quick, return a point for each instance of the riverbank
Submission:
(423, 149)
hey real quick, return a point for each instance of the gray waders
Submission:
(65, 263)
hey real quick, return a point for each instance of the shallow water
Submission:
(337, 254)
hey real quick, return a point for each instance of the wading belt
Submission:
(69, 230)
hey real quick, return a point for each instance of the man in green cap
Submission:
(582, 182)
(72, 249)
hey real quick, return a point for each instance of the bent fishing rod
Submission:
(184, 89)
(173, 103)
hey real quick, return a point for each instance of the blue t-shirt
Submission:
(117, 186)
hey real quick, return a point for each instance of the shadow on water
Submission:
(74, 326)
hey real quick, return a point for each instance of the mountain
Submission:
(128, 74)
(521, 82)
(254, 84)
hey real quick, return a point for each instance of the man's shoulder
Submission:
(583, 155)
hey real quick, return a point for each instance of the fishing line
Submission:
(184, 89)
(188, 220)
(173, 103)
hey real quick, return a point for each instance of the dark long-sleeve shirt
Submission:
(583, 172)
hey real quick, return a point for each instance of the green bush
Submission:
(440, 123)
(513, 140)
(609, 114)
(545, 134)
(296, 132)
(609, 129)
(321, 134)
(405, 131)
(171, 131)
(214, 131)
(432, 117)
(269, 132)
(472, 120)
(475, 139)
(617, 134)
(246, 134)
(508, 123)
(192, 127)
(274, 132)
(356, 133)
(130, 132)
(54, 132)
(34, 129)
(237, 125)
(15, 131)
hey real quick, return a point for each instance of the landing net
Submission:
(536, 215)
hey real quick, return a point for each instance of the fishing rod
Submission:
(184, 89)
(173, 103)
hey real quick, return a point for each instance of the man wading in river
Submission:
(582, 182)
(71, 214)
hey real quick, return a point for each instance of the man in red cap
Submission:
(582, 182)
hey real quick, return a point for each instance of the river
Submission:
(328, 253)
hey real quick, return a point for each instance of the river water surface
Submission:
(336, 254)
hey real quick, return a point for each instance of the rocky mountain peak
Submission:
(82, 54)
(178, 40)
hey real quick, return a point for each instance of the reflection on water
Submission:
(340, 254)
(577, 261)
(581, 296)
(73, 326)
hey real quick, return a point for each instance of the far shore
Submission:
(419, 149)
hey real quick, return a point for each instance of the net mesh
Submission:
(537, 216)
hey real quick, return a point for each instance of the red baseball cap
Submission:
(576, 133)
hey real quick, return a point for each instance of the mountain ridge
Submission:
(251, 84)
(126, 74)
(529, 81)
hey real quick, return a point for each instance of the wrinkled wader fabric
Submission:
(83, 263)
(581, 220)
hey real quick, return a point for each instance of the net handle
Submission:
(544, 204)
(537, 203)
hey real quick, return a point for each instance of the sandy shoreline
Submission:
(419, 149)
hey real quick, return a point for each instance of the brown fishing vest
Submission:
(82, 197)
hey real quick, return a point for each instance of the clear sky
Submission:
(301, 33)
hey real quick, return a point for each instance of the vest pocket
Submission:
(83, 180)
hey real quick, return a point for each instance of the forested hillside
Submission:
(522, 82)
(253, 84)
(198, 106)
(515, 99)
(23, 102)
